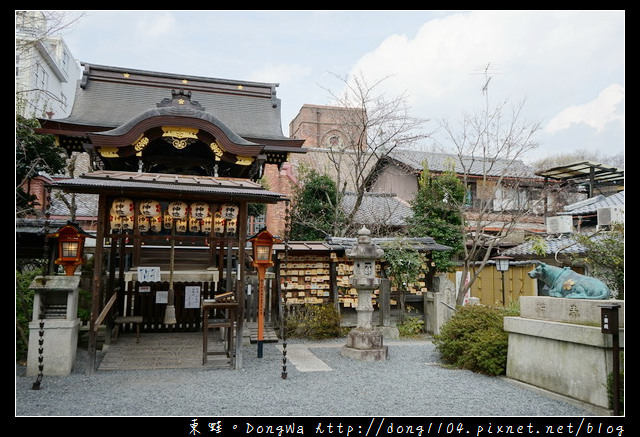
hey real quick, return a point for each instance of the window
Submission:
(42, 77)
(256, 223)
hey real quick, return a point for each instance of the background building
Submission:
(46, 72)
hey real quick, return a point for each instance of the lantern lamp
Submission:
(502, 265)
(262, 244)
(70, 246)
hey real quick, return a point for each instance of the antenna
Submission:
(485, 88)
(485, 93)
(486, 70)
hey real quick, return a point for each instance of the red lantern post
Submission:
(262, 247)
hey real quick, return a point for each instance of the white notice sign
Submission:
(162, 297)
(192, 296)
(148, 274)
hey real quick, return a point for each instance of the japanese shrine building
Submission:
(176, 161)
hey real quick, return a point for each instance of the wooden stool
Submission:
(212, 317)
(226, 324)
(120, 320)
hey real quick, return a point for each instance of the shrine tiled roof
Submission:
(168, 185)
(108, 97)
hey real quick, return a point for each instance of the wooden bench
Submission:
(121, 320)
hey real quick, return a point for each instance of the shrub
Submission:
(474, 339)
(314, 322)
(24, 308)
(412, 326)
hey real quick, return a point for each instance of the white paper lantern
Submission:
(199, 210)
(177, 209)
(127, 222)
(207, 224)
(167, 221)
(194, 224)
(232, 226)
(218, 223)
(143, 223)
(229, 211)
(181, 225)
(155, 223)
(122, 206)
(150, 208)
(115, 222)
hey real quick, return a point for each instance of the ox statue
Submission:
(564, 282)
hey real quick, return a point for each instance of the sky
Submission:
(565, 67)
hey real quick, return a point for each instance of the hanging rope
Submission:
(283, 329)
(36, 385)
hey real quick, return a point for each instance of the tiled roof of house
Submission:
(468, 165)
(565, 244)
(378, 209)
(86, 205)
(590, 206)
(417, 243)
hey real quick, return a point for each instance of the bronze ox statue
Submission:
(564, 282)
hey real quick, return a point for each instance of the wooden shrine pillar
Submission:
(96, 289)
(242, 238)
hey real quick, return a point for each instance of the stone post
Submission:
(55, 304)
(363, 342)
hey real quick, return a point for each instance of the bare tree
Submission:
(368, 126)
(489, 148)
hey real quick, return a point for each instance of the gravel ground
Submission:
(411, 382)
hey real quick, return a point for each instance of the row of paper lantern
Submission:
(196, 217)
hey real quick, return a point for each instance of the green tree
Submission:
(605, 257)
(314, 207)
(436, 214)
(34, 153)
(404, 265)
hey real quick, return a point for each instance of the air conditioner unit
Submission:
(562, 224)
(610, 215)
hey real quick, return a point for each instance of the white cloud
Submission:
(156, 24)
(604, 109)
(543, 56)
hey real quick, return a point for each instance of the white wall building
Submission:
(46, 72)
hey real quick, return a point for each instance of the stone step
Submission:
(251, 331)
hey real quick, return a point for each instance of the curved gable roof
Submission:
(174, 116)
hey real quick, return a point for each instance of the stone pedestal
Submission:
(365, 344)
(557, 344)
(55, 306)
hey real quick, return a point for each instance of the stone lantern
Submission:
(363, 342)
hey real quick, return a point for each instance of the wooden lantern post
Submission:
(262, 248)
